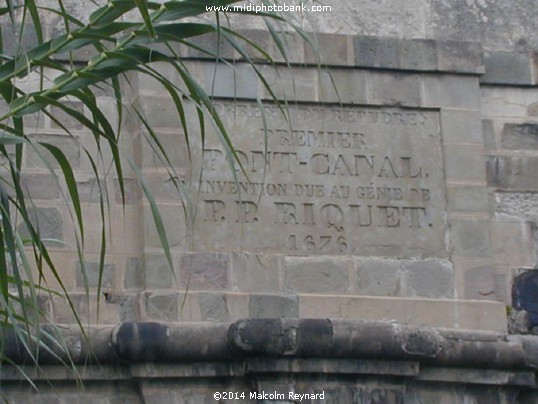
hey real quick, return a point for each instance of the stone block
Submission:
(88, 190)
(158, 274)
(461, 126)
(514, 244)
(395, 89)
(520, 136)
(273, 306)
(174, 146)
(311, 275)
(464, 163)
(255, 272)
(485, 282)
(172, 216)
(162, 306)
(378, 277)
(238, 305)
(233, 81)
(471, 238)
(61, 119)
(373, 51)
(456, 56)
(261, 38)
(467, 199)
(210, 46)
(213, 307)
(347, 86)
(68, 144)
(160, 112)
(48, 222)
(512, 172)
(507, 68)
(472, 315)
(418, 54)
(92, 274)
(134, 273)
(449, 91)
(428, 278)
(488, 134)
(87, 309)
(41, 185)
(292, 48)
(328, 49)
(132, 191)
(290, 84)
(204, 271)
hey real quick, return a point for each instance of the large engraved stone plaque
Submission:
(329, 180)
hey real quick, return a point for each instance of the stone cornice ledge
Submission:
(130, 343)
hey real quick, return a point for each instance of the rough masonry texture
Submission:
(397, 185)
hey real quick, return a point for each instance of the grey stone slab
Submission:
(430, 278)
(93, 273)
(42, 158)
(461, 126)
(507, 68)
(134, 273)
(273, 306)
(312, 275)
(488, 133)
(379, 277)
(520, 136)
(471, 238)
(255, 272)
(157, 272)
(512, 172)
(48, 222)
(328, 49)
(213, 307)
(377, 52)
(162, 306)
(41, 185)
(395, 89)
(222, 80)
(204, 271)
(333, 180)
(456, 56)
(485, 282)
(418, 54)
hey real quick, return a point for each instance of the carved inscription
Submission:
(328, 180)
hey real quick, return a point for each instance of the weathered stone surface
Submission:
(379, 277)
(431, 278)
(213, 307)
(312, 275)
(41, 185)
(48, 222)
(158, 274)
(485, 283)
(91, 273)
(336, 171)
(273, 306)
(204, 271)
(68, 144)
(507, 68)
(513, 172)
(520, 136)
(255, 272)
(162, 306)
(133, 277)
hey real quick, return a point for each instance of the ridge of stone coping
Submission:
(286, 338)
(335, 50)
